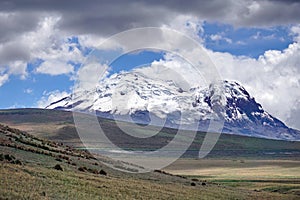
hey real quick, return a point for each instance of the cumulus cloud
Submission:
(53, 48)
(47, 43)
(218, 37)
(294, 115)
(37, 30)
(89, 75)
(54, 67)
(154, 13)
(3, 79)
(295, 31)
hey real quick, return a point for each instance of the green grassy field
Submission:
(238, 167)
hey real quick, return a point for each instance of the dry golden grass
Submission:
(25, 182)
(247, 169)
(279, 176)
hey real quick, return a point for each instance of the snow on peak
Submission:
(135, 92)
(128, 92)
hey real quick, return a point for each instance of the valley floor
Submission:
(277, 176)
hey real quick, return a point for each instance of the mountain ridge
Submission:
(135, 96)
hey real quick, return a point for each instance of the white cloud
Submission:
(295, 30)
(218, 37)
(259, 36)
(54, 67)
(53, 48)
(187, 24)
(50, 97)
(89, 75)
(3, 79)
(241, 42)
(174, 68)
(47, 43)
(18, 67)
(28, 91)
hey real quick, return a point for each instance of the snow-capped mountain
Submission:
(146, 99)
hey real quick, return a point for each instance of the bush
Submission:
(8, 157)
(58, 167)
(102, 172)
(82, 169)
(94, 171)
(17, 162)
(193, 184)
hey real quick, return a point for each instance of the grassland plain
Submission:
(281, 176)
(248, 168)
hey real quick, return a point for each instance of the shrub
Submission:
(17, 162)
(8, 157)
(94, 171)
(58, 167)
(102, 172)
(82, 169)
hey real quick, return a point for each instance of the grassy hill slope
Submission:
(35, 168)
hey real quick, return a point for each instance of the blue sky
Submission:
(251, 42)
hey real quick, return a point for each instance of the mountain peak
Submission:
(138, 95)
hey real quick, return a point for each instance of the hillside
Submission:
(35, 168)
